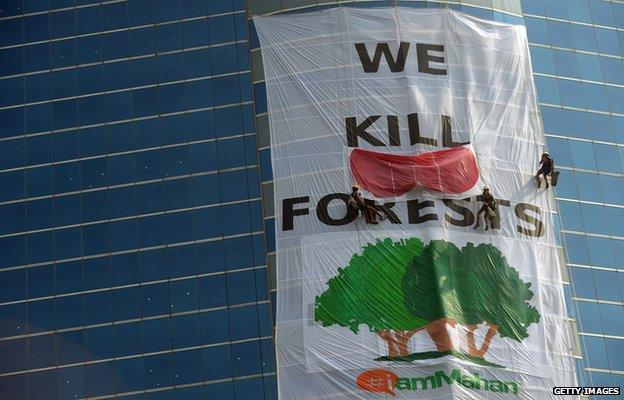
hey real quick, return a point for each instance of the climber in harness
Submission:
(488, 207)
(357, 203)
(547, 168)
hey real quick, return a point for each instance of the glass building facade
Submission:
(577, 50)
(132, 246)
(136, 198)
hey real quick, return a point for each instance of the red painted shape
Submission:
(450, 171)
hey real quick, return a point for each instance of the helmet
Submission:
(486, 188)
(355, 187)
(546, 154)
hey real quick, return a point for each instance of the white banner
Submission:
(421, 109)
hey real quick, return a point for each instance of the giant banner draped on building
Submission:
(421, 109)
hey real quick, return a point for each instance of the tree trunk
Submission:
(439, 334)
(472, 346)
(397, 341)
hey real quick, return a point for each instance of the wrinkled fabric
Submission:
(420, 109)
(449, 171)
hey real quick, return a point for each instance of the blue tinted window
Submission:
(178, 227)
(70, 382)
(38, 118)
(142, 41)
(126, 303)
(124, 269)
(119, 137)
(205, 189)
(70, 347)
(158, 371)
(155, 299)
(217, 363)
(152, 231)
(14, 319)
(12, 218)
(199, 94)
(62, 24)
(185, 366)
(133, 373)
(183, 295)
(150, 198)
(67, 243)
(222, 29)
(13, 91)
(36, 27)
(12, 184)
(116, 75)
(41, 316)
(128, 339)
(96, 273)
(181, 261)
(148, 165)
(12, 285)
(39, 247)
(156, 334)
(169, 37)
(68, 277)
(185, 331)
(118, 106)
(140, 12)
(607, 41)
(114, 16)
(122, 235)
(37, 87)
(144, 71)
(63, 53)
(197, 63)
(207, 223)
(144, 101)
(38, 181)
(116, 45)
(120, 169)
(94, 239)
(246, 358)
(589, 317)
(89, 19)
(12, 121)
(11, 154)
(41, 281)
(69, 311)
(612, 316)
(195, 33)
(100, 379)
(241, 287)
(165, 10)
(89, 49)
(92, 141)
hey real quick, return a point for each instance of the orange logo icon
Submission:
(378, 381)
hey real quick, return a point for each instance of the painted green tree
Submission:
(496, 296)
(471, 286)
(397, 289)
(368, 292)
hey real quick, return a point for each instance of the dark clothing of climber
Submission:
(357, 203)
(488, 207)
(547, 166)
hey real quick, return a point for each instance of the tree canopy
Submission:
(471, 286)
(368, 290)
(398, 288)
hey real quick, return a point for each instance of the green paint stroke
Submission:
(398, 289)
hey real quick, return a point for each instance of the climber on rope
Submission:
(357, 203)
(547, 168)
(488, 207)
